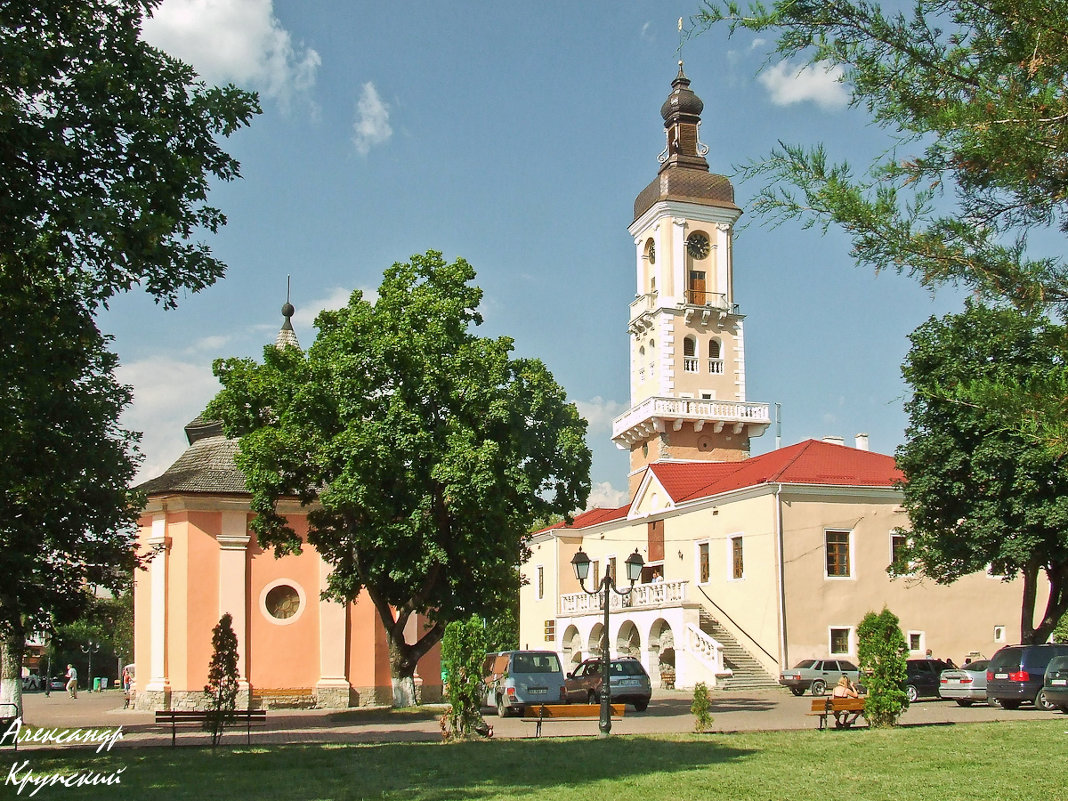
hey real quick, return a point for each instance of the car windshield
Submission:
(628, 668)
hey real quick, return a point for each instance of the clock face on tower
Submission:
(697, 245)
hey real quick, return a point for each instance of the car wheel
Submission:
(1009, 704)
(799, 691)
(502, 707)
(641, 706)
(964, 701)
(1041, 702)
(818, 687)
(911, 693)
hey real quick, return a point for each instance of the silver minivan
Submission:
(516, 678)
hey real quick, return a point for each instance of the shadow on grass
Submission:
(414, 771)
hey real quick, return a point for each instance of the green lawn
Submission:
(991, 761)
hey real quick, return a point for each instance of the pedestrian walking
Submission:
(72, 681)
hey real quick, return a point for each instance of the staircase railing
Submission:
(748, 636)
(706, 650)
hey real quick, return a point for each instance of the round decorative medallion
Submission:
(282, 602)
(697, 245)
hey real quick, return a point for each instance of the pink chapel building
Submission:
(295, 649)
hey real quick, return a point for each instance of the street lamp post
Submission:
(581, 565)
(90, 648)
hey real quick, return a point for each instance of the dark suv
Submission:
(923, 678)
(1014, 675)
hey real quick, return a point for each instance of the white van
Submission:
(516, 678)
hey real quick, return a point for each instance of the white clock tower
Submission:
(687, 355)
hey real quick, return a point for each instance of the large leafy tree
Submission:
(107, 150)
(974, 103)
(980, 494)
(423, 452)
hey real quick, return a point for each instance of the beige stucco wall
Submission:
(953, 620)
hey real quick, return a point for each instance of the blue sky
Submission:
(515, 135)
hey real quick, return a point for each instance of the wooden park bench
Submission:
(829, 706)
(182, 717)
(539, 713)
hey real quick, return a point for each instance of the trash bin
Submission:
(96, 685)
(104, 683)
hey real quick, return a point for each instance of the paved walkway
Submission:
(668, 712)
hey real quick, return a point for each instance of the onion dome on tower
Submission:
(684, 172)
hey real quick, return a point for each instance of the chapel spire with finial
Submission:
(287, 336)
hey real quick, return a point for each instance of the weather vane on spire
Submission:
(681, 39)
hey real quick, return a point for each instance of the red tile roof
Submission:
(591, 518)
(809, 462)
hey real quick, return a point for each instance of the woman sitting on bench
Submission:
(845, 689)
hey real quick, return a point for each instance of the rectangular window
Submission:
(898, 541)
(611, 567)
(550, 630)
(999, 634)
(840, 641)
(702, 563)
(737, 560)
(541, 582)
(595, 573)
(838, 554)
(916, 641)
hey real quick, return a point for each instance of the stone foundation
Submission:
(322, 697)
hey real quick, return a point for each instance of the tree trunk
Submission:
(1056, 606)
(11, 647)
(1027, 605)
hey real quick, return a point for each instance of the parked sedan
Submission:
(966, 685)
(628, 680)
(817, 675)
(1055, 684)
(924, 678)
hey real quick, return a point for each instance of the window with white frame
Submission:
(735, 558)
(841, 640)
(999, 634)
(916, 642)
(703, 570)
(837, 551)
(541, 582)
(898, 543)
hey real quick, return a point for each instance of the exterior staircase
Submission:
(748, 674)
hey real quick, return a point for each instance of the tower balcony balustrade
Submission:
(653, 415)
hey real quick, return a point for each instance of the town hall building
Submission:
(751, 563)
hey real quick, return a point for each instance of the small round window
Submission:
(282, 602)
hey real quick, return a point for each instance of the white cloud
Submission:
(372, 120)
(167, 394)
(239, 41)
(603, 494)
(820, 84)
(600, 413)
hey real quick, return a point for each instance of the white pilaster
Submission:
(233, 580)
(160, 544)
(723, 254)
(333, 644)
(678, 257)
(639, 266)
